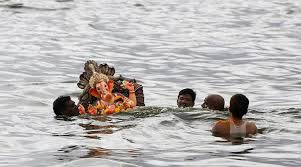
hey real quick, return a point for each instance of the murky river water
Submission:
(212, 46)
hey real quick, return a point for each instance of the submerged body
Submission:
(186, 98)
(214, 102)
(234, 128)
(235, 125)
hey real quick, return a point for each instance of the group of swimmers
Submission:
(187, 97)
(103, 94)
(235, 125)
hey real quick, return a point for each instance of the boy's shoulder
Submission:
(221, 127)
(251, 128)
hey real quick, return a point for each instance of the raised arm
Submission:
(132, 95)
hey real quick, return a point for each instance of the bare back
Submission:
(229, 128)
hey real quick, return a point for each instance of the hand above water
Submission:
(81, 109)
(128, 85)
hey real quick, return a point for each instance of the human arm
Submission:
(81, 109)
(132, 96)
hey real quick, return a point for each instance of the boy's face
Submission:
(70, 109)
(185, 100)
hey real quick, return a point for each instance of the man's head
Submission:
(214, 102)
(63, 105)
(239, 104)
(186, 98)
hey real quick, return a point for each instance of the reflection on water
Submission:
(148, 138)
(75, 152)
(212, 46)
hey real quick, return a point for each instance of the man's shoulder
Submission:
(221, 127)
(251, 128)
(223, 122)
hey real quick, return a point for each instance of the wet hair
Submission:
(239, 104)
(189, 92)
(59, 104)
(215, 102)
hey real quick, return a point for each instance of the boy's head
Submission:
(63, 105)
(186, 98)
(214, 102)
(239, 104)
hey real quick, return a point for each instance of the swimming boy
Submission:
(214, 102)
(186, 98)
(64, 106)
(235, 126)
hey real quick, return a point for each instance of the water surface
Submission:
(212, 46)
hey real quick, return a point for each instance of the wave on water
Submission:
(213, 46)
(21, 6)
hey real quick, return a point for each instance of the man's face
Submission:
(71, 109)
(185, 100)
(205, 104)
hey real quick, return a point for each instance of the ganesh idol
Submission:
(105, 94)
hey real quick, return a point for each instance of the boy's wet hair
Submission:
(239, 104)
(189, 92)
(59, 104)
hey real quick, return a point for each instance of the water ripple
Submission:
(223, 47)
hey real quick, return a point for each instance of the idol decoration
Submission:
(104, 94)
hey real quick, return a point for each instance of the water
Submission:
(212, 46)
